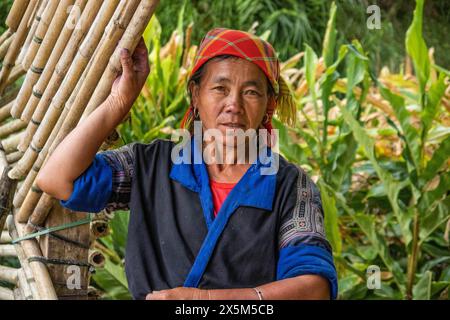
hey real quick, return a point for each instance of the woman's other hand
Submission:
(180, 293)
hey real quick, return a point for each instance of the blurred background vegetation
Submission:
(373, 128)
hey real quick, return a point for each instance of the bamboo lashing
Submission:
(16, 45)
(43, 54)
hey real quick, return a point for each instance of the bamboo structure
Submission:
(67, 55)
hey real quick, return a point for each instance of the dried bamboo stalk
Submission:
(18, 294)
(38, 62)
(44, 18)
(5, 36)
(129, 40)
(11, 127)
(25, 277)
(6, 294)
(5, 111)
(99, 228)
(13, 157)
(40, 213)
(45, 288)
(65, 39)
(30, 102)
(5, 46)
(8, 274)
(7, 250)
(5, 237)
(26, 46)
(29, 189)
(10, 143)
(3, 165)
(15, 74)
(24, 285)
(70, 81)
(96, 259)
(16, 14)
(13, 51)
(9, 96)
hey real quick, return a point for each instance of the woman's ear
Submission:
(194, 90)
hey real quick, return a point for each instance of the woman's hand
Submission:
(127, 86)
(180, 293)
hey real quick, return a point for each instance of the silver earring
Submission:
(196, 114)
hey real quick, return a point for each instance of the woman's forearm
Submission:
(77, 151)
(299, 288)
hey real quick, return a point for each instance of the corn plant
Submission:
(396, 217)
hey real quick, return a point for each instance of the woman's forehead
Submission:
(232, 70)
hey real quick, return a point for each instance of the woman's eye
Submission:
(219, 88)
(252, 92)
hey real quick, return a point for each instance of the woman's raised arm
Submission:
(77, 151)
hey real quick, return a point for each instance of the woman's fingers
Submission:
(127, 63)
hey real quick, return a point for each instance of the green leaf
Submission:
(310, 69)
(428, 199)
(417, 48)
(422, 289)
(119, 228)
(435, 94)
(331, 218)
(111, 278)
(329, 40)
(410, 133)
(439, 158)
(392, 187)
(434, 219)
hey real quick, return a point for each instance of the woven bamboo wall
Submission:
(59, 59)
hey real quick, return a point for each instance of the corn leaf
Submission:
(331, 219)
(417, 48)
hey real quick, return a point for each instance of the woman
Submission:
(208, 230)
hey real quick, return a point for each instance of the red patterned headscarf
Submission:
(221, 41)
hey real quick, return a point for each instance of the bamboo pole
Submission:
(13, 157)
(45, 17)
(10, 143)
(3, 166)
(5, 237)
(82, 59)
(8, 274)
(99, 228)
(137, 26)
(31, 100)
(5, 46)
(5, 111)
(6, 294)
(15, 74)
(69, 38)
(129, 40)
(40, 212)
(34, 27)
(37, 63)
(96, 259)
(39, 270)
(19, 38)
(5, 36)
(16, 13)
(11, 127)
(9, 96)
(7, 250)
(26, 280)
(18, 294)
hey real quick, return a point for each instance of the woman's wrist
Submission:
(117, 108)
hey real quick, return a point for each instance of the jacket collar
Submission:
(254, 189)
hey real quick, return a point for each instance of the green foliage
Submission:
(378, 143)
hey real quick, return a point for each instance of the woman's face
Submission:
(232, 94)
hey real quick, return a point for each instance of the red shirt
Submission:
(220, 191)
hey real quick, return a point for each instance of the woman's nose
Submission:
(234, 103)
